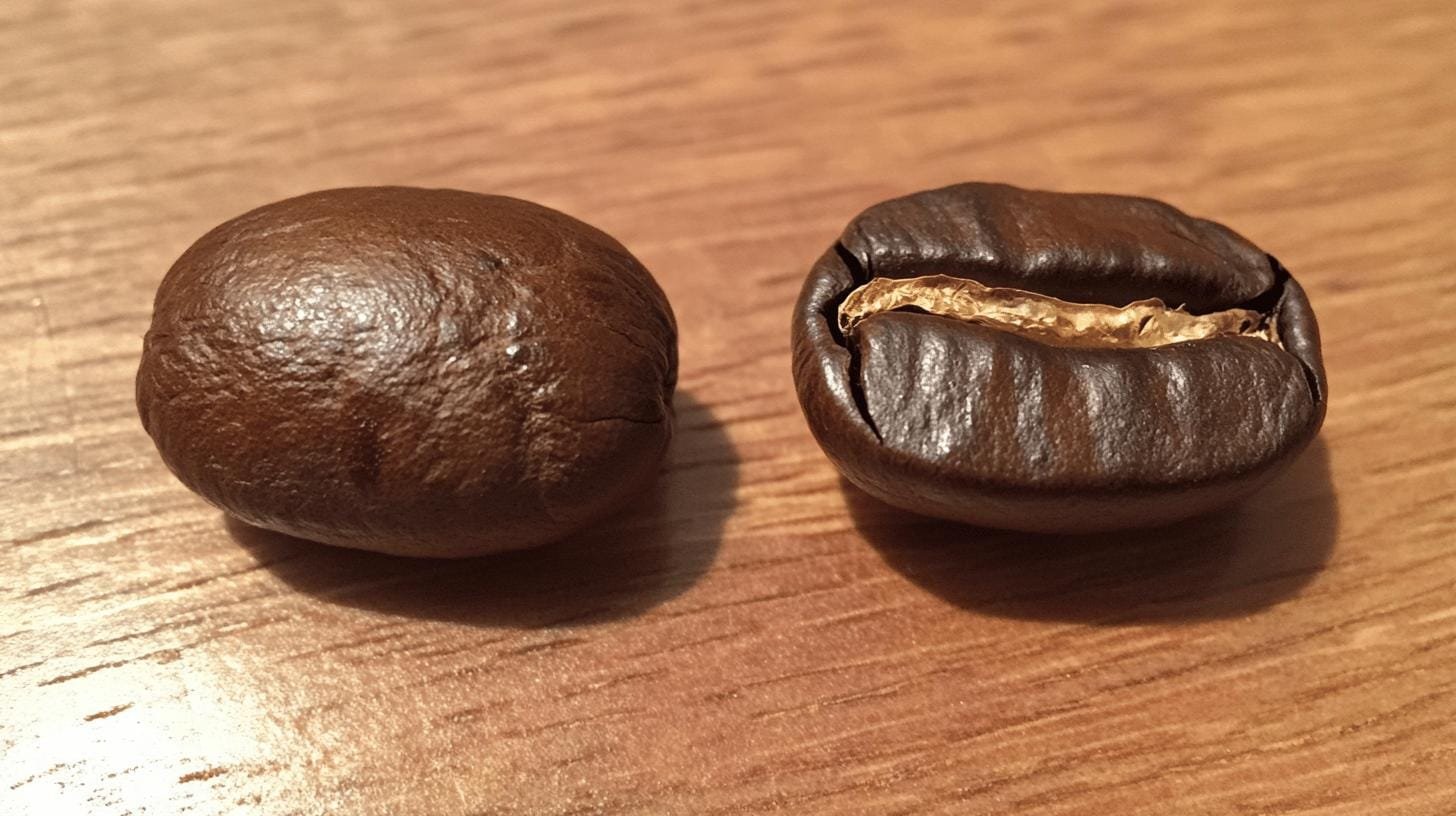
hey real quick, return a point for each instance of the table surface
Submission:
(755, 636)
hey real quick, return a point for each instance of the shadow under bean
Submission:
(1225, 564)
(649, 553)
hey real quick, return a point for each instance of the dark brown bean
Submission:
(1054, 362)
(420, 372)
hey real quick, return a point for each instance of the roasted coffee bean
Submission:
(418, 372)
(1054, 362)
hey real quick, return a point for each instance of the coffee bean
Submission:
(1054, 362)
(418, 372)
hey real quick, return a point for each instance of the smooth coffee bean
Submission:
(1054, 362)
(417, 372)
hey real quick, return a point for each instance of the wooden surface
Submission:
(755, 637)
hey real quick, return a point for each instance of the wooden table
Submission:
(756, 636)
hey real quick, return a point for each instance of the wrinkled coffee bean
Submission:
(1054, 362)
(417, 372)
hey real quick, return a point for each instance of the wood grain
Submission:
(755, 636)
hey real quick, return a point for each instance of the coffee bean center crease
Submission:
(1140, 324)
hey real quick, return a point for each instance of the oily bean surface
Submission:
(421, 372)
